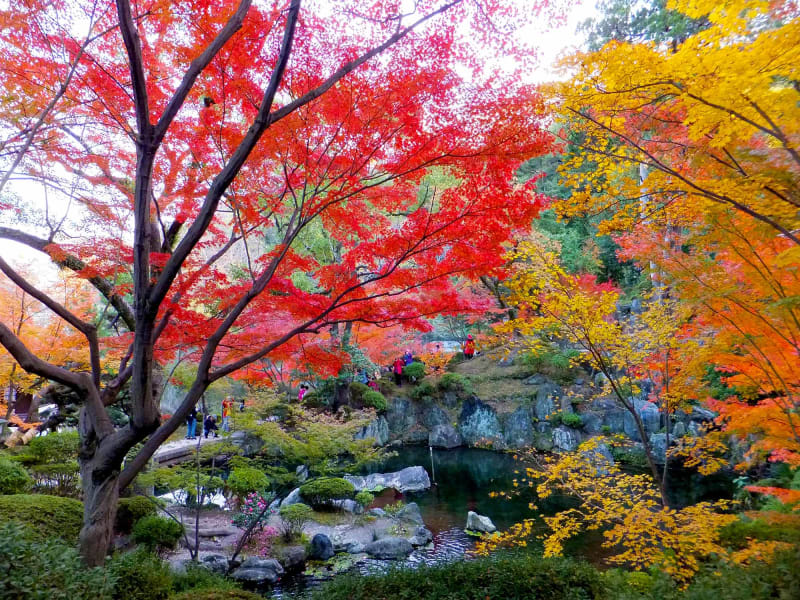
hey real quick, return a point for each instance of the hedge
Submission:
(46, 516)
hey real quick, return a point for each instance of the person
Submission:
(408, 357)
(469, 348)
(302, 392)
(191, 424)
(241, 405)
(374, 385)
(363, 377)
(210, 426)
(227, 405)
(398, 371)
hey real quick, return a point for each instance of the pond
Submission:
(462, 481)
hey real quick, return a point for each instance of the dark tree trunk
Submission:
(100, 498)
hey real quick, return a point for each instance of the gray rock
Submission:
(275, 504)
(249, 443)
(600, 380)
(294, 497)
(450, 399)
(700, 414)
(543, 440)
(259, 570)
(658, 445)
(354, 548)
(518, 428)
(546, 398)
(592, 422)
(178, 565)
(389, 548)
(476, 522)
(401, 416)
(410, 479)
(648, 413)
(565, 439)
(410, 512)
(321, 547)
(301, 473)
(216, 563)
(377, 430)
(435, 416)
(377, 512)
(421, 537)
(292, 558)
(566, 404)
(444, 436)
(636, 306)
(347, 505)
(537, 379)
(679, 430)
(693, 429)
(600, 457)
(479, 422)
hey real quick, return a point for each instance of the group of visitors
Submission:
(210, 426)
(399, 364)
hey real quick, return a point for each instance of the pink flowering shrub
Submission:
(261, 541)
(251, 511)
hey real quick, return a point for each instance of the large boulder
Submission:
(292, 558)
(410, 512)
(444, 436)
(565, 439)
(321, 547)
(249, 443)
(649, 415)
(259, 570)
(435, 416)
(410, 479)
(479, 423)
(547, 399)
(377, 430)
(421, 537)
(679, 430)
(518, 428)
(658, 446)
(294, 497)
(401, 417)
(216, 563)
(600, 456)
(479, 523)
(347, 505)
(389, 548)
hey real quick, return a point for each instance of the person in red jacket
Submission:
(398, 370)
(469, 347)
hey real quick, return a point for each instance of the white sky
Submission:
(552, 43)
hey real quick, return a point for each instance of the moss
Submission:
(45, 516)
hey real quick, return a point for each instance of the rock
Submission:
(565, 439)
(178, 565)
(401, 417)
(216, 563)
(249, 443)
(377, 430)
(693, 429)
(444, 436)
(476, 522)
(518, 428)
(347, 505)
(410, 479)
(543, 440)
(648, 413)
(478, 423)
(566, 405)
(321, 547)
(421, 537)
(600, 380)
(592, 422)
(699, 414)
(450, 399)
(679, 430)
(259, 570)
(636, 306)
(537, 379)
(301, 473)
(377, 512)
(546, 398)
(580, 381)
(601, 457)
(389, 548)
(410, 512)
(435, 416)
(354, 548)
(294, 497)
(275, 504)
(658, 445)
(292, 558)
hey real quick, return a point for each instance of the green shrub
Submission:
(246, 480)
(47, 570)
(553, 362)
(570, 419)
(45, 516)
(738, 534)
(157, 533)
(357, 392)
(605, 430)
(314, 400)
(453, 382)
(130, 510)
(364, 498)
(424, 390)
(634, 457)
(374, 399)
(393, 509)
(53, 448)
(14, 479)
(415, 371)
(140, 575)
(321, 491)
(216, 594)
(517, 578)
(199, 578)
(294, 518)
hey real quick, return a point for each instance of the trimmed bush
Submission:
(294, 517)
(453, 382)
(357, 392)
(571, 420)
(48, 570)
(423, 390)
(216, 594)
(140, 575)
(374, 399)
(45, 516)
(517, 578)
(14, 479)
(415, 371)
(157, 533)
(246, 480)
(130, 510)
(783, 528)
(364, 498)
(321, 491)
(199, 578)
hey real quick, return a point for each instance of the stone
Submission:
(178, 565)
(294, 497)
(248, 442)
(444, 436)
(478, 423)
(476, 522)
(693, 429)
(636, 306)
(592, 422)
(600, 380)
(410, 512)
(301, 473)
(658, 445)
(566, 405)
(679, 430)
(699, 414)
(378, 430)
(292, 558)
(389, 548)
(648, 413)
(537, 379)
(377, 512)
(275, 504)
(321, 547)
(259, 570)
(401, 416)
(435, 416)
(422, 536)
(216, 563)
(546, 398)
(565, 439)
(410, 479)
(354, 548)
(601, 457)
(348, 505)
(450, 399)
(543, 440)
(518, 428)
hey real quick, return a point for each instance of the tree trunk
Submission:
(100, 498)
